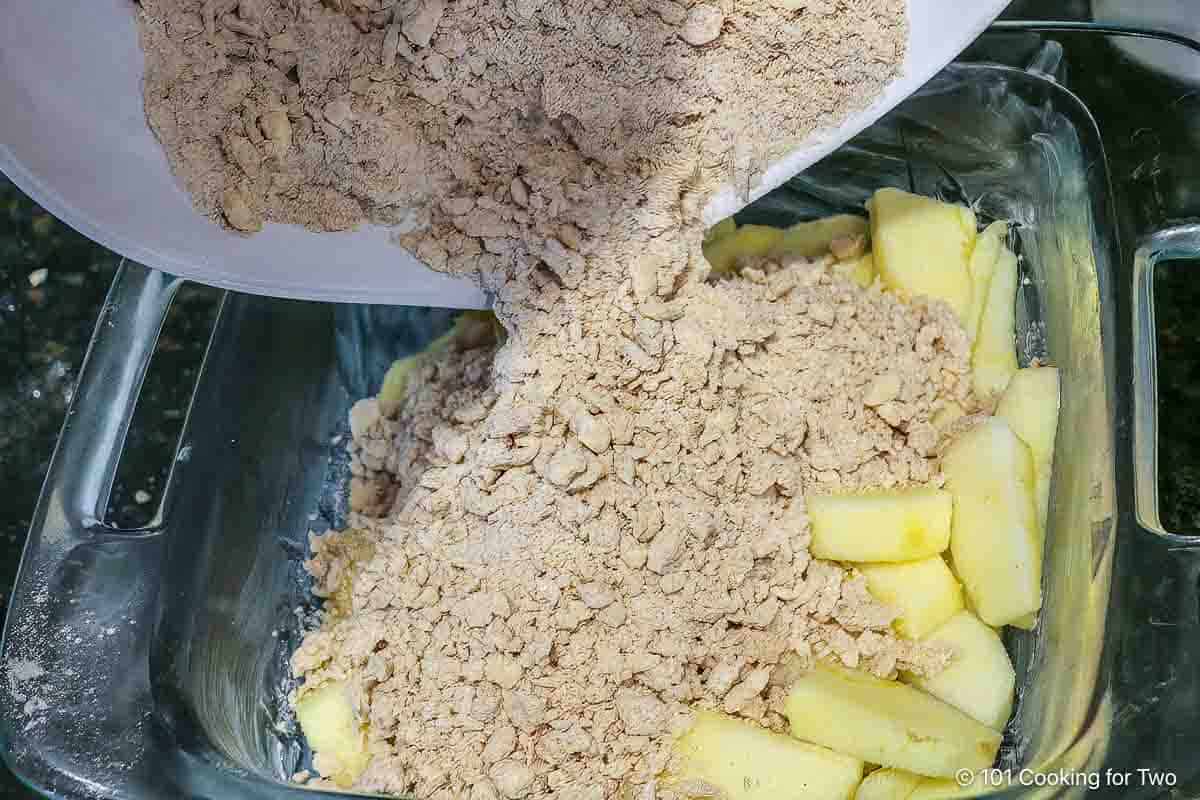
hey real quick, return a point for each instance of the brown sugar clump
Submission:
(331, 113)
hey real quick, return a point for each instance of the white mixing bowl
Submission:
(74, 137)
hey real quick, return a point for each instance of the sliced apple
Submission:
(980, 680)
(892, 525)
(887, 723)
(897, 784)
(339, 741)
(395, 384)
(745, 761)
(994, 354)
(1030, 406)
(925, 592)
(1027, 622)
(812, 239)
(981, 267)
(995, 541)
(887, 784)
(748, 241)
(922, 247)
(860, 270)
(720, 230)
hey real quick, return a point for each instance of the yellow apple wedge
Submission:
(327, 720)
(980, 680)
(749, 241)
(995, 541)
(922, 247)
(720, 230)
(812, 239)
(994, 354)
(887, 784)
(1030, 407)
(896, 784)
(925, 592)
(892, 525)
(981, 267)
(860, 269)
(745, 761)
(1027, 622)
(395, 384)
(887, 723)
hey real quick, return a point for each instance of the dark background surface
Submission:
(46, 320)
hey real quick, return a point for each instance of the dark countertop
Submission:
(1179, 395)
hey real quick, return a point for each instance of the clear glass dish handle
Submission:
(81, 615)
(1156, 719)
(1178, 242)
(79, 717)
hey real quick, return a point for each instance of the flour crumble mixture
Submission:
(568, 535)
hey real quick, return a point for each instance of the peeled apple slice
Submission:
(896, 784)
(473, 328)
(980, 680)
(812, 239)
(1030, 406)
(861, 269)
(887, 722)
(887, 784)
(922, 247)
(981, 267)
(1027, 622)
(395, 384)
(995, 542)
(748, 762)
(721, 229)
(925, 591)
(891, 525)
(994, 355)
(327, 720)
(748, 241)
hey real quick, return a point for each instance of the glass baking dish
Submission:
(152, 663)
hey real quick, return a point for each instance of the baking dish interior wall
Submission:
(281, 376)
(266, 464)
